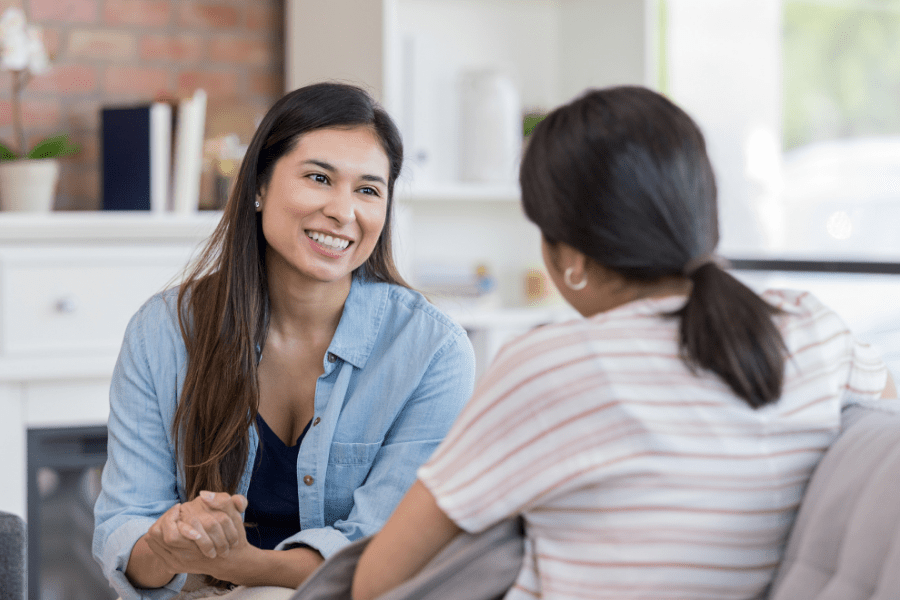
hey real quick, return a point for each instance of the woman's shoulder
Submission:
(160, 304)
(802, 310)
(158, 316)
(795, 302)
(409, 305)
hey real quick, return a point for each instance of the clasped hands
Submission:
(204, 536)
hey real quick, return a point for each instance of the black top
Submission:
(273, 506)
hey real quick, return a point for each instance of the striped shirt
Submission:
(637, 478)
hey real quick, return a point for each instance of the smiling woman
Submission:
(294, 377)
(324, 208)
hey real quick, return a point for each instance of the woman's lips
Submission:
(329, 245)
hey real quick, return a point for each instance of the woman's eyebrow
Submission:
(374, 178)
(320, 163)
(332, 169)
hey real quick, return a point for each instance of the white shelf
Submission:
(512, 318)
(459, 192)
(106, 226)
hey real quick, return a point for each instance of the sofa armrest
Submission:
(12, 557)
(845, 542)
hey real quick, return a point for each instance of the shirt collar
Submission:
(360, 321)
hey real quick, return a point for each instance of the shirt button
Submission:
(308, 480)
(317, 421)
(331, 357)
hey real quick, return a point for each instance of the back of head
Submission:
(622, 175)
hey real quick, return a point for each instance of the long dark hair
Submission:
(622, 175)
(223, 302)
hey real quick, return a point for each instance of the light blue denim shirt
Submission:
(397, 373)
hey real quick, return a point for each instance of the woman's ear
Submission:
(567, 257)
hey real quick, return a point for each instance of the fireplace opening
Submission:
(64, 466)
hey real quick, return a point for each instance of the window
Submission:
(800, 104)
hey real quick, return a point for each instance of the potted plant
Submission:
(27, 177)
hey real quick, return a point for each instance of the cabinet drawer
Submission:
(78, 300)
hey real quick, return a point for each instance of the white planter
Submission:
(28, 185)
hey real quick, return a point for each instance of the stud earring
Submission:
(256, 204)
(567, 277)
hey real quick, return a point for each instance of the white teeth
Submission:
(335, 243)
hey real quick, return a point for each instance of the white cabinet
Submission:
(69, 283)
(411, 54)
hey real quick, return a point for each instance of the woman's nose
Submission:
(340, 206)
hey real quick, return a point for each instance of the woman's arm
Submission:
(139, 482)
(414, 534)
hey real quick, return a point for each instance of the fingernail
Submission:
(193, 533)
(208, 495)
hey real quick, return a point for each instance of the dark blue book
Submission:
(136, 147)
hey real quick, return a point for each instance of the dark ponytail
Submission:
(727, 329)
(622, 175)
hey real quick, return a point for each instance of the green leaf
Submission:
(53, 147)
(7, 154)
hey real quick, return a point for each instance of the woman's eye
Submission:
(319, 178)
(370, 191)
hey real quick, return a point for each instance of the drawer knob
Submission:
(66, 305)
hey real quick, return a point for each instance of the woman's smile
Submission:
(329, 245)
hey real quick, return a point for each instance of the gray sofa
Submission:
(12, 557)
(845, 543)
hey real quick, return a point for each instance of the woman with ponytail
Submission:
(276, 405)
(659, 447)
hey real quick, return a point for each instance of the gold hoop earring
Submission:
(567, 277)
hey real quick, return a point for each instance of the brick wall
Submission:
(124, 52)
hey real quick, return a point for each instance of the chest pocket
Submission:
(352, 454)
(348, 467)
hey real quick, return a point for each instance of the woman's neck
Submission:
(300, 307)
(608, 290)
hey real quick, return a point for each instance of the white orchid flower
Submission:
(13, 19)
(14, 51)
(21, 47)
(38, 61)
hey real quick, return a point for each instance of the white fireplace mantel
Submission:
(69, 282)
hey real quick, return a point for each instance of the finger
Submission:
(239, 502)
(205, 542)
(188, 531)
(218, 501)
(168, 533)
(232, 537)
(215, 529)
(231, 506)
(202, 544)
